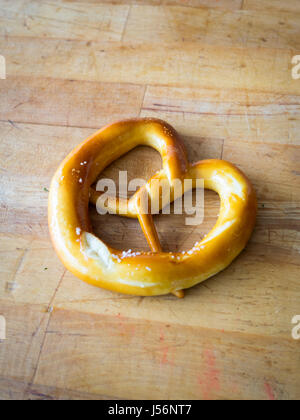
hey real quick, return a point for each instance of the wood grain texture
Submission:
(213, 27)
(220, 72)
(180, 64)
(272, 5)
(57, 20)
(157, 351)
(51, 102)
(227, 114)
(223, 4)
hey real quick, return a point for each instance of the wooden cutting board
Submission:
(220, 72)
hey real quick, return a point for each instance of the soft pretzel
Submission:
(155, 272)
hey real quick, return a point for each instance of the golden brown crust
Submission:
(155, 272)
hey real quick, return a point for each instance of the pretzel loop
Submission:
(155, 272)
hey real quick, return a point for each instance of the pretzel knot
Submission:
(155, 272)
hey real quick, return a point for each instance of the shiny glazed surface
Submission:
(155, 272)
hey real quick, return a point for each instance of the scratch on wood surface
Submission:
(125, 24)
(222, 151)
(49, 315)
(143, 100)
(13, 124)
(12, 285)
(215, 114)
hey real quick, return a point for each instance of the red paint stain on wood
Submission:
(125, 327)
(166, 356)
(269, 391)
(165, 351)
(209, 380)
